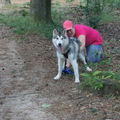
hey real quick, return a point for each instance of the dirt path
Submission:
(18, 97)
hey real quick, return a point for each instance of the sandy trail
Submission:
(18, 98)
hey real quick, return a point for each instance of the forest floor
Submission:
(28, 91)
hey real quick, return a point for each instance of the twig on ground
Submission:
(78, 97)
(80, 102)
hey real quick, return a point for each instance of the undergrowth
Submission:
(102, 70)
(96, 79)
(22, 23)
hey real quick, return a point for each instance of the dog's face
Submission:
(60, 39)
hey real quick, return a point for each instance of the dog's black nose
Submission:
(59, 44)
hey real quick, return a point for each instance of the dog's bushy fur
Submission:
(67, 48)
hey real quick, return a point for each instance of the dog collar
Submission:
(66, 54)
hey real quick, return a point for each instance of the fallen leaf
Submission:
(82, 111)
(82, 108)
(94, 110)
(46, 106)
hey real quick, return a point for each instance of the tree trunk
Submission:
(40, 10)
(4, 2)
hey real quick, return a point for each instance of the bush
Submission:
(96, 79)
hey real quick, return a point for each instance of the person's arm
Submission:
(68, 63)
(82, 40)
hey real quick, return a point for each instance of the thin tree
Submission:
(97, 6)
(40, 10)
(4, 2)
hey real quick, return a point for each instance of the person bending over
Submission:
(89, 38)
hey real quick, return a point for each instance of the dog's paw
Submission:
(77, 81)
(88, 69)
(57, 77)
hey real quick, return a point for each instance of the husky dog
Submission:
(67, 48)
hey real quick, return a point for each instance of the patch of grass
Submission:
(24, 38)
(11, 6)
(25, 25)
(25, 67)
(109, 17)
(13, 71)
(26, 4)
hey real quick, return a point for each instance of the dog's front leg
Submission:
(60, 65)
(76, 71)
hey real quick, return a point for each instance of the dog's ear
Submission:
(54, 32)
(64, 32)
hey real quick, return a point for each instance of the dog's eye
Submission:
(57, 38)
(61, 38)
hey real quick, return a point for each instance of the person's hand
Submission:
(68, 63)
(80, 50)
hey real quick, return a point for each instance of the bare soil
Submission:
(27, 69)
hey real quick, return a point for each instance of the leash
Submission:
(66, 54)
(66, 70)
(65, 64)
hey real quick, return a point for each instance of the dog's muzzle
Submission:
(60, 47)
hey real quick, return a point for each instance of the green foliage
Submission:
(92, 78)
(26, 4)
(61, 14)
(95, 79)
(56, 16)
(25, 67)
(94, 111)
(106, 63)
(92, 11)
(17, 21)
(23, 24)
(108, 17)
(11, 6)
(13, 71)
(94, 21)
(57, 3)
(69, 1)
(117, 5)
(97, 12)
